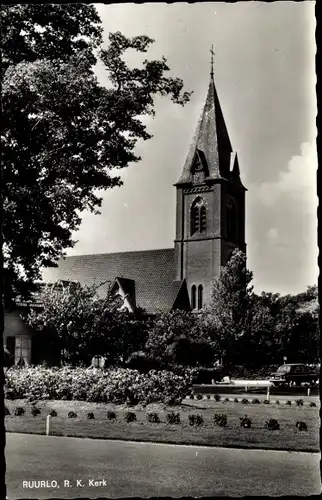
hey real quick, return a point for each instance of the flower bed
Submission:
(94, 385)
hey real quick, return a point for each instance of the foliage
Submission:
(153, 418)
(244, 401)
(82, 324)
(102, 386)
(90, 415)
(312, 404)
(217, 397)
(236, 400)
(199, 397)
(53, 413)
(204, 375)
(130, 416)
(245, 422)
(299, 402)
(220, 419)
(179, 339)
(63, 134)
(19, 411)
(208, 396)
(272, 425)
(288, 402)
(111, 415)
(227, 315)
(301, 426)
(196, 420)
(72, 414)
(277, 402)
(266, 401)
(255, 401)
(226, 400)
(35, 411)
(173, 418)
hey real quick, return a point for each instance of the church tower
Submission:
(210, 206)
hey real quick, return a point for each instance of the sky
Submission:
(265, 78)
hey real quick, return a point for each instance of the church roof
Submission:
(211, 138)
(151, 270)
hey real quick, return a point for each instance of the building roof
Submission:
(212, 139)
(151, 270)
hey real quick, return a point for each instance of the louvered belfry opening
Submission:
(198, 217)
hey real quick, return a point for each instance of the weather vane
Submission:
(212, 61)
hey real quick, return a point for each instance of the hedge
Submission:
(88, 384)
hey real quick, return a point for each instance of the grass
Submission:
(287, 438)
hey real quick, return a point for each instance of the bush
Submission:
(266, 401)
(299, 402)
(72, 414)
(249, 373)
(272, 425)
(35, 411)
(153, 418)
(244, 401)
(312, 404)
(236, 400)
(256, 401)
(90, 415)
(130, 416)
(196, 420)
(301, 426)
(53, 413)
(226, 400)
(288, 402)
(173, 418)
(277, 402)
(119, 385)
(111, 415)
(245, 422)
(6, 411)
(199, 397)
(19, 411)
(208, 396)
(220, 419)
(217, 397)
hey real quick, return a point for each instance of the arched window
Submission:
(231, 221)
(193, 296)
(198, 217)
(200, 298)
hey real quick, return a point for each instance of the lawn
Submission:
(287, 438)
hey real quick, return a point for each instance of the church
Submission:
(210, 224)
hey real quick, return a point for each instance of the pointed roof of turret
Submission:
(211, 138)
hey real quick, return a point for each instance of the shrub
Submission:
(288, 402)
(53, 413)
(277, 402)
(199, 397)
(266, 401)
(245, 422)
(6, 411)
(272, 425)
(256, 401)
(19, 411)
(35, 411)
(130, 416)
(244, 401)
(173, 418)
(208, 396)
(72, 414)
(312, 404)
(301, 426)
(220, 419)
(236, 400)
(196, 420)
(217, 397)
(111, 415)
(153, 418)
(90, 415)
(226, 400)
(299, 402)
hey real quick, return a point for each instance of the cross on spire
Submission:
(212, 61)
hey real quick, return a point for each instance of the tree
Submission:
(83, 325)
(63, 134)
(179, 338)
(228, 313)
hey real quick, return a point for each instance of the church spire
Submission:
(211, 138)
